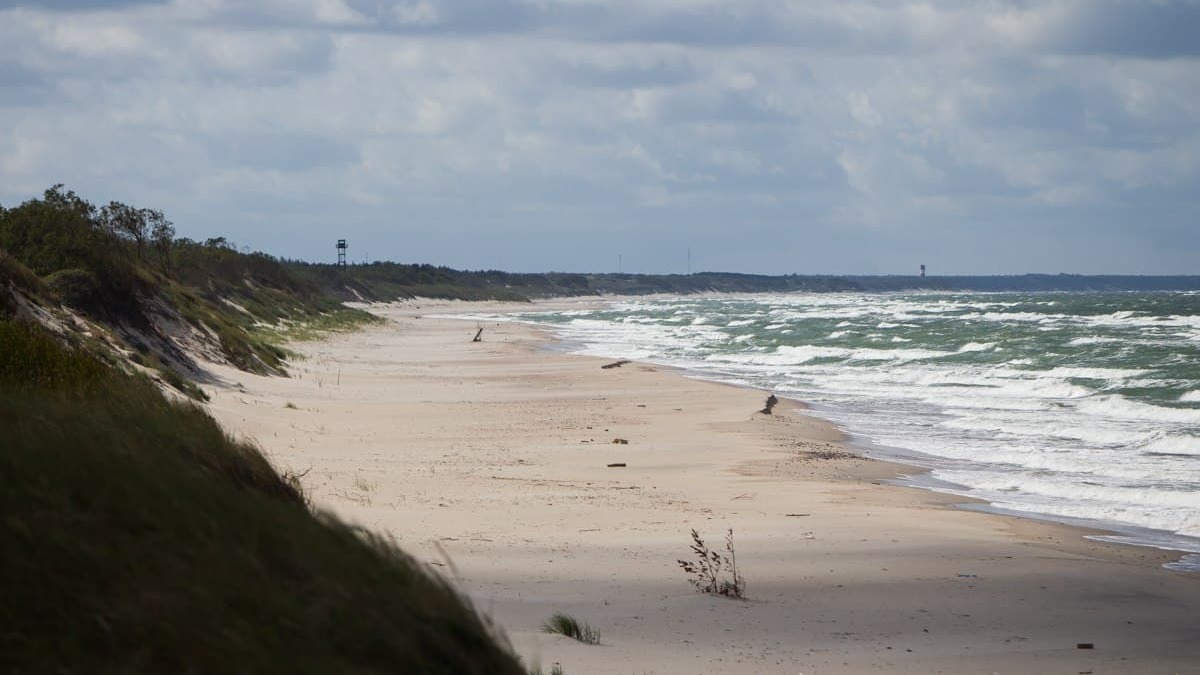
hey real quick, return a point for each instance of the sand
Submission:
(490, 462)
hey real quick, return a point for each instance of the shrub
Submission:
(77, 287)
(17, 274)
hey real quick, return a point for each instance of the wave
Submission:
(1092, 340)
(976, 347)
(1055, 406)
(1143, 506)
(1119, 407)
(1174, 445)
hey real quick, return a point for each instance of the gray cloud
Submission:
(76, 5)
(1141, 28)
(811, 137)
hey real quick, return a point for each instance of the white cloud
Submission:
(862, 110)
(824, 123)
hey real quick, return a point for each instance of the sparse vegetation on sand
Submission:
(712, 571)
(565, 624)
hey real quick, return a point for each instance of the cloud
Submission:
(1137, 28)
(76, 5)
(776, 137)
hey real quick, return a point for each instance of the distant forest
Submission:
(392, 278)
(107, 259)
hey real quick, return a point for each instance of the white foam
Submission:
(1177, 444)
(1024, 436)
(1081, 341)
(976, 347)
(1117, 407)
(1082, 497)
(1095, 373)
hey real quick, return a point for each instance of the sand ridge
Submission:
(489, 461)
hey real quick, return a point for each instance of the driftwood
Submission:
(478, 336)
(616, 465)
(615, 364)
(620, 441)
(771, 403)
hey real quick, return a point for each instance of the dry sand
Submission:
(489, 461)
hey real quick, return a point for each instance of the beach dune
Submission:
(490, 461)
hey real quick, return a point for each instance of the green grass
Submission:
(317, 326)
(565, 624)
(140, 538)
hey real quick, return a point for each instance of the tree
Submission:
(125, 221)
(59, 198)
(162, 236)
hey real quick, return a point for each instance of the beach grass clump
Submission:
(318, 325)
(141, 538)
(565, 624)
(714, 572)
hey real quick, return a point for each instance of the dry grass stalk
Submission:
(714, 572)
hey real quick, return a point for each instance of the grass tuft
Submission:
(565, 624)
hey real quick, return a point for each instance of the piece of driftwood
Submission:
(616, 465)
(478, 336)
(771, 403)
(614, 364)
(620, 441)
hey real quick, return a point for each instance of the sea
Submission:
(1077, 407)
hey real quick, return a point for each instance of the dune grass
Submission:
(565, 624)
(140, 538)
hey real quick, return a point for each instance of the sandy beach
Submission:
(490, 461)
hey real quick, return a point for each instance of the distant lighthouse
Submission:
(922, 271)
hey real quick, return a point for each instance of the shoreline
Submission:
(1118, 534)
(485, 460)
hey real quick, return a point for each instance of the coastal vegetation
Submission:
(141, 538)
(713, 572)
(569, 626)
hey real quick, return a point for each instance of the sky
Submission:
(789, 136)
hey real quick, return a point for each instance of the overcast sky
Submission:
(808, 136)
